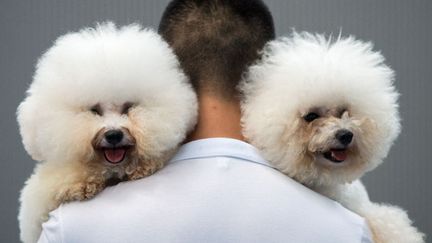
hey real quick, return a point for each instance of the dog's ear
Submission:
(29, 116)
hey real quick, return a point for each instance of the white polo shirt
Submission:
(214, 190)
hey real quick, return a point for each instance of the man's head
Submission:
(215, 40)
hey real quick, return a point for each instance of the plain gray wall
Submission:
(401, 29)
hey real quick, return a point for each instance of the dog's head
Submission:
(107, 97)
(323, 112)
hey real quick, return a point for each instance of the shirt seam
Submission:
(366, 233)
(225, 156)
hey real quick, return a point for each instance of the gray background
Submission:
(400, 28)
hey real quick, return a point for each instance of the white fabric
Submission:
(214, 190)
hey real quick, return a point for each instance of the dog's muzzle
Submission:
(339, 153)
(114, 144)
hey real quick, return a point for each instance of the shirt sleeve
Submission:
(51, 229)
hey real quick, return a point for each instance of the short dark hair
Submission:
(215, 40)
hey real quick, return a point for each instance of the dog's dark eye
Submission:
(96, 109)
(311, 116)
(126, 107)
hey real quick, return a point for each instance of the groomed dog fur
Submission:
(325, 112)
(106, 104)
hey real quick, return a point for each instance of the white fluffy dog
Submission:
(106, 104)
(325, 113)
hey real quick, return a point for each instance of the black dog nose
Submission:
(114, 136)
(344, 136)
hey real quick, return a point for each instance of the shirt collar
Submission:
(219, 147)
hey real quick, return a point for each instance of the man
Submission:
(217, 188)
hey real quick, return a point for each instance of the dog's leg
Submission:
(352, 196)
(36, 201)
(390, 224)
(140, 170)
(82, 189)
(49, 186)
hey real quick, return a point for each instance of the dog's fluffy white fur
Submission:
(304, 91)
(89, 82)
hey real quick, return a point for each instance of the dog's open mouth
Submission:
(336, 155)
(115, 155)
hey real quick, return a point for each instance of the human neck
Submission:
(217, 118)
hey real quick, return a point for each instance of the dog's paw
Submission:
(138, 173)
(141, 171)
(92, 188)
(80, 191)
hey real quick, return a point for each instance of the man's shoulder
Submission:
(203, 179)
(220, 196)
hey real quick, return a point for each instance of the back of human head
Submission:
(215, 40)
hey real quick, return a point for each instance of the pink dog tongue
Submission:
(340, 155)
(114, 155)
